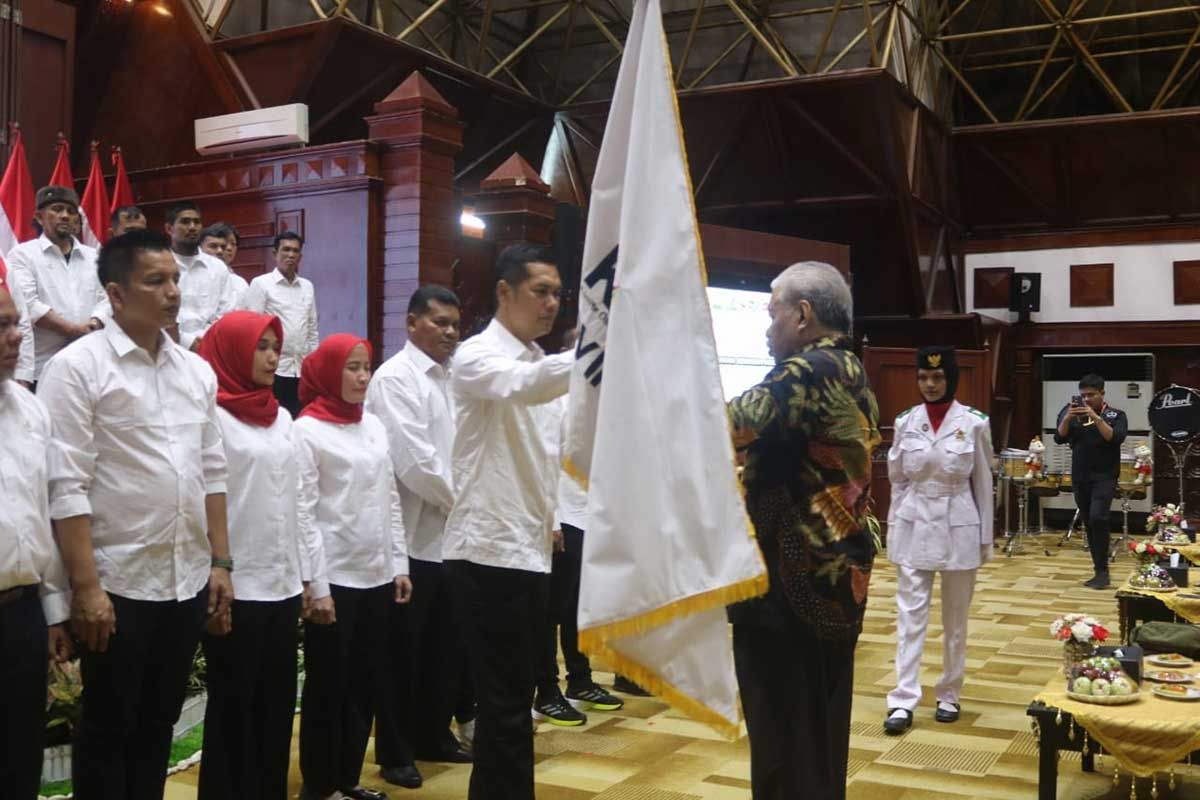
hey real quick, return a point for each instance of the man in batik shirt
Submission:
(808, 430)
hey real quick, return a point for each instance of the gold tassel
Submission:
(1171, 782)
(1071, 733)
(1058, 719)
(1154, 786)
(1116, 775)
(1085, 743)
(1133, 787)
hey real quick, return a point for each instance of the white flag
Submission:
(668, 542)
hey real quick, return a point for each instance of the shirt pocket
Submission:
(914, 454)
(962, 510)
(960, 457)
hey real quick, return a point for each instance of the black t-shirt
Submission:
(1091, 455)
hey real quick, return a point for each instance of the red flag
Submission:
(62, 167)
(122, 191)
(95, 203)
(16, 197)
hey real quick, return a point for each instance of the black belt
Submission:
(18, 593)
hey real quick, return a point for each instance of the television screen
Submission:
(740, 325)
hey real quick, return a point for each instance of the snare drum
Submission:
(1048, 484)
(1064, 483)
(1127, 473)
(1012, 462)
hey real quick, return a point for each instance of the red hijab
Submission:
(321, 380)
(229, 347)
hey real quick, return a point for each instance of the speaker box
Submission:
(1025, 292)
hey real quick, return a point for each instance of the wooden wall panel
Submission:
(1187, 282)
(992, 286)
(39, 74)
(1091, 285)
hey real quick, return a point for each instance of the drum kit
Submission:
(1174, 414)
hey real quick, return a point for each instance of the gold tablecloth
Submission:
(1189, 551)
(1146, 736)
(1180, 601)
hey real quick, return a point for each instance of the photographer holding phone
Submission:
(1094, 430)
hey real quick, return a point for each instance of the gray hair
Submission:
(823, 287)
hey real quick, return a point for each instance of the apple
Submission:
(1082, 685)
(1101, 688)
(1121, 686)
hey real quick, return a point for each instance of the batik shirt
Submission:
(809, 429)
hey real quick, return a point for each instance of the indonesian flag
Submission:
(122, 191)
(62, 167)
(16, 197)
(95, 204)
(668, 541)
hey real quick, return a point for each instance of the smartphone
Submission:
(1076, 400)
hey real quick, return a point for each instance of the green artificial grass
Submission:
(184, 748)
(58, 787)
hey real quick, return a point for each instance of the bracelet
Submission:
(222, 563)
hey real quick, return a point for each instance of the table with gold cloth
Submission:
(1146, 737)
(1141, 605)
(1189, 551)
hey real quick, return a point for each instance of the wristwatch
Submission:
(222, 563)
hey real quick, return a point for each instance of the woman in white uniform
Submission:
(940, 520)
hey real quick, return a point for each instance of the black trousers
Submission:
(393, 696)
(1093, 497)
(23, 643)
(342, 673)
(132, 696)
(251, 702)
(287, 392)
(796, 694)
(562, 626)
(430, 659)
(504, 610)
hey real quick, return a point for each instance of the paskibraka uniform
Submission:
(940, 520)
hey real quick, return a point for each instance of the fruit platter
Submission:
(1101, 680)
(1152, 578)
(1172, 535)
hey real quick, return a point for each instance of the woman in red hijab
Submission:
(348, 495)
(252, 668)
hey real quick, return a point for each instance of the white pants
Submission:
(914, 590)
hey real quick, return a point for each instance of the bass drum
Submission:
(1175, 414)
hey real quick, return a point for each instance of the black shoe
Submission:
(309, 794)
(455, 755)
(405, 776)
(942, 715)
(625, 686)
(557, 711)
(363, 793)
(1099, 581)
(593, 697)
(897, 725)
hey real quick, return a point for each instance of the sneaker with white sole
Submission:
(593, 697)
(557, 711)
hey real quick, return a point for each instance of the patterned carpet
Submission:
(648, 752)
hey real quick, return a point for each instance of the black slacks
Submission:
(796, 694)
(505, 614)
(429, 674)
(24, 655)
(1093, 497)
(562, 612)
(342, 666)
(287, 392)
(251, 702)
(392, 698)
(132, 696)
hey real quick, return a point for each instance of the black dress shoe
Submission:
(457, 755)
(405, 776)
(942, 715)
(625, 686)
(1098, 581)
(897, 725)
(363, 793)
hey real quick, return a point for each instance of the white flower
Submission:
(1055, 627)
(1081, 631)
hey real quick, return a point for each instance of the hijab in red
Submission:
(321, 380)
(229, 346)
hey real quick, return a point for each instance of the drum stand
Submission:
(1126, 494)
(1075, 520)
(1180, 454)
(1012, 543)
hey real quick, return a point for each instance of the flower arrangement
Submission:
(1078, 628)
(1168, 514)
(1144, 551)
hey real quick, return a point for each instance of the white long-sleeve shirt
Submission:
(410, 394)
(26, 362)
(206, 292)
(570, 498)
(264, 484)
(49, 281)
(505, 472)
(28, 555)
(138, 447)
(294, 302)
(348, 496)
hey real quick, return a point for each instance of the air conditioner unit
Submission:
(259, 129)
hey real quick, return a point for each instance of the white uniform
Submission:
(940, 520)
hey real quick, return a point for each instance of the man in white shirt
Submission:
(205, 285)
(284, 294)
(410, 394)
(498, 534)
(33, 584)
(56, 273)
(23, 374)
(137, 493)
(125, 219)
(219, 240)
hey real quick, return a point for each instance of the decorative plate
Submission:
(1177, 692)
(1166, 676)
(1170, 660)
(1107, 699)
(1154, 588)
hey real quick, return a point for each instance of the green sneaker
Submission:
(593, 697)
(557, 711)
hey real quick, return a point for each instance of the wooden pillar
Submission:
(418, 135)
